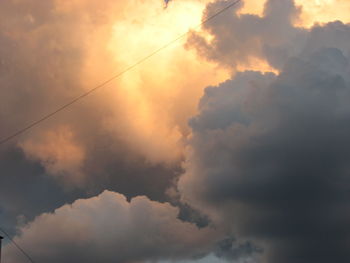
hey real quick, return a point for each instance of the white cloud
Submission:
(108, 228)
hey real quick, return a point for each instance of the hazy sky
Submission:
(231, 145)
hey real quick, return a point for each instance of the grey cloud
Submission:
(238, 38)
(26, 191)
(269, 158)
(233, 251)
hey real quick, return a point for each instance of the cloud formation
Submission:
(117, 139)
(266, 168)
(243, 39)
(108, 228)
(27, 191)
(53, 52)
(268, 158)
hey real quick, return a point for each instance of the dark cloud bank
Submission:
(269, 157)
(268, 161)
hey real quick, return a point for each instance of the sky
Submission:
(230, 145)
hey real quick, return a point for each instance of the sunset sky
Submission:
(232, 144)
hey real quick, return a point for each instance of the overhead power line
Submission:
(83, 95)
(87, 93)
(17, 246)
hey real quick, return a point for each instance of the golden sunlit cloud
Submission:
(149, 106)
(322, 11)
(153, 102)
(313, 11)
(253, 7)
(59, 153)
(161, 94)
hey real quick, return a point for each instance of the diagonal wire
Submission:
(17, 246)
(49, 115)
(83, 95)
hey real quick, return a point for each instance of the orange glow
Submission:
(253, 7)
(313, 11)
(323, 11)
(59, 153)
(162, 93)
(150, 105)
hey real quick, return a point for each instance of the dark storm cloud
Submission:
(270, 158)
(233, 251)
(108, 167)
(26, 191)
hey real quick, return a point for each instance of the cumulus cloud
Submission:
(108, 228)
(243, 39)
(266, 162)
(239, 39)
(118, 139)
(52, 51)
(268, 156)
(268, 159)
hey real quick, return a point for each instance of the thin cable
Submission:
(64, 106)
(17, 246)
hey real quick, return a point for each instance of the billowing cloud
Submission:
(53, 52)
(108, 228)
(269, 157)
(265, 173)
(118, 139)
(250, 40)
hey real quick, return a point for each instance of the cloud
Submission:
(208, 259)
(267, 156)
(108, 228)
(54, 51)
(127, 138)
(26, 190)
(50, 52)
(241, 40)
(268, 159)
(322, 11)
(58, 153)
(118, 139)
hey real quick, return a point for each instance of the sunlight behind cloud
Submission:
(163, 92)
